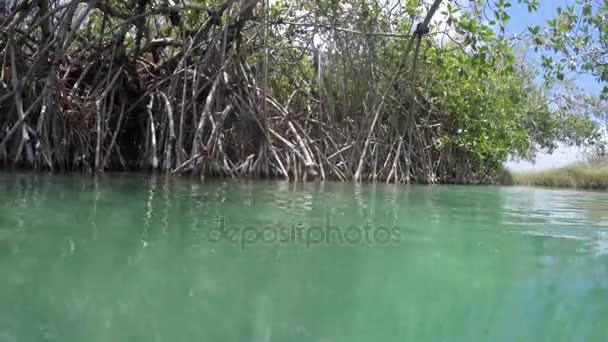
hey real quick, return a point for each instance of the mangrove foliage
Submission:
(392, 91)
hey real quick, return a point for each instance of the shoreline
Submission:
(533, 179)
(202, 177)
(592, 176)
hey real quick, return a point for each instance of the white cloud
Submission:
(562, 156)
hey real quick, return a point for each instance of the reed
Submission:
(584, 175)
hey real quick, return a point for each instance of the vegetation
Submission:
(584, 175)
(361, 90)
(575, 41)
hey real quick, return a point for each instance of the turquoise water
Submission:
(152, 259)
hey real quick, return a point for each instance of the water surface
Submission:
(136, 258)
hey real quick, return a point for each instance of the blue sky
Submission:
(520, 20)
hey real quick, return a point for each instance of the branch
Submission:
(342, 29)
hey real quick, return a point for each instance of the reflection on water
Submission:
(128, 258)
(564, 214)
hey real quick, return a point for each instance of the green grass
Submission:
(592, 175)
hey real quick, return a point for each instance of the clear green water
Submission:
(138, 259)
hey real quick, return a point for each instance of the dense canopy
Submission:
(396, 91)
